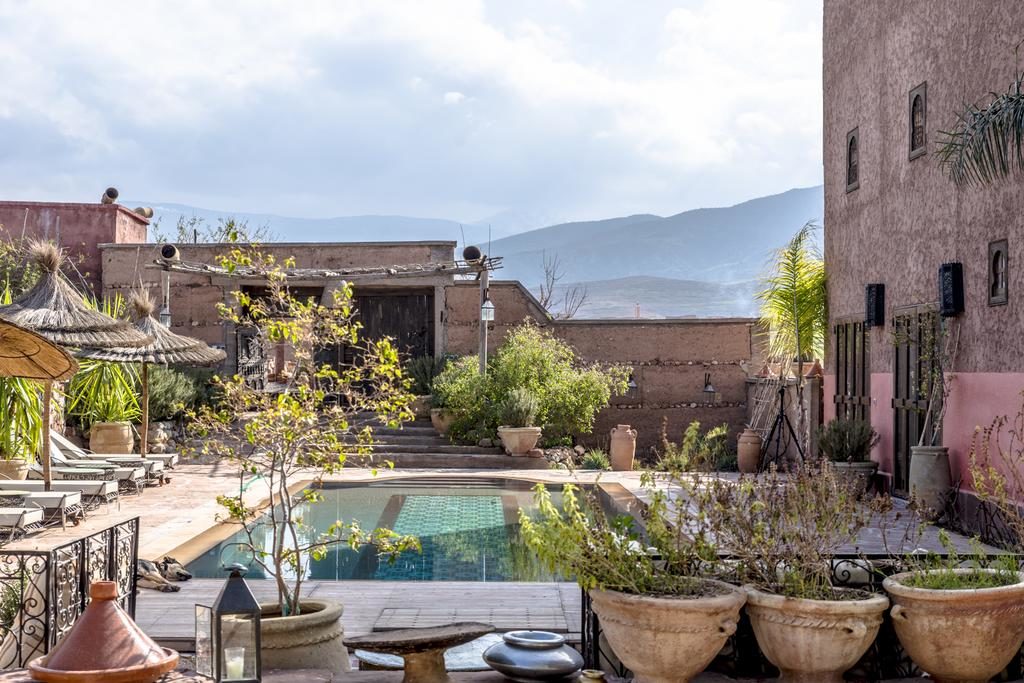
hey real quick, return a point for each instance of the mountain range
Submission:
(702, 262)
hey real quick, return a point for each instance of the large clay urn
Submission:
(104, 646)
(748, 451)
(111, 437)
(960, 635)
(930, 480)
(814, 641)
(668, 639)
(316, 635)
(623, 448)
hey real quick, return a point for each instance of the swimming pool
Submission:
(468, 528)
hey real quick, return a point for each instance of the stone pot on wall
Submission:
(16, 468)
(930, 480)
(297, 642)
(441, 419)
(967, 635)
(111, 437)
(519, 440)
(748, 451)
(862, 472)
(623, 448)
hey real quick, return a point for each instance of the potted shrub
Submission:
(421, 372)
(929, 476)
(848, 444)
(20, 426)
(661, 618)
(517, 433)
(103, 396)
(456, 397)
(278, 441)
(784, 532)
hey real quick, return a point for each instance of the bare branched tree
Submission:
(573, 298)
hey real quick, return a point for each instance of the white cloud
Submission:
(579, 108)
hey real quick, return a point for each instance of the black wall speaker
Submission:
(874, 305)
(951, 289)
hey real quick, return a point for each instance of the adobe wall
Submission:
(668, 358)
(79, 228)
(907, 217)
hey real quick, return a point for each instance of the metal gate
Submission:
(913, 329)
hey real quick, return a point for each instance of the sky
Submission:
(461, 109)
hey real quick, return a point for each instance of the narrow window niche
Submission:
(998, 274)
(852, 160)
(918, 120)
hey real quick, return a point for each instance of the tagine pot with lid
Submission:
(104, 646)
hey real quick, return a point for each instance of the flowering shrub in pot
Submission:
(784, 532)
(663, 621)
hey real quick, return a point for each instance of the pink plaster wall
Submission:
(976, 399)
(828, 390)
(882, 420)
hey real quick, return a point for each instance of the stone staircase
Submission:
(417, 445)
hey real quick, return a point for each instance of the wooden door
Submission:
(406, 316)
(913, 327)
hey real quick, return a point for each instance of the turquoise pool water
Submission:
(469, 531)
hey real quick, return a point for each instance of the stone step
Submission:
(488, 461)
(445, 447)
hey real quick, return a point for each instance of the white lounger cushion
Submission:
(87, 486)
(61, 443)
(53, 499)
(18, 517)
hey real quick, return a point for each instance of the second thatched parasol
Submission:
(56, 311)
(167, 348)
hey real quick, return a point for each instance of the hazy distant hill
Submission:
(347, 228)
(697, 263)
(661, 297)
(728, 244)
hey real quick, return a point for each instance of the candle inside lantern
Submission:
(234, 662)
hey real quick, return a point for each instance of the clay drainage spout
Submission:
(104, 646)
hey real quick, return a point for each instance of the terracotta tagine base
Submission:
(104, 646)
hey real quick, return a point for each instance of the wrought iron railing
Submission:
(43, 592)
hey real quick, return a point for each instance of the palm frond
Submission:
(986, 142)
(794, 302)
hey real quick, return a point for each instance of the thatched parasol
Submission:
(23, 353)
(167, 348)
(55, 310)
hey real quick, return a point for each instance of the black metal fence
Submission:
(43, 592)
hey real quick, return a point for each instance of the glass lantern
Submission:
(228, 634)
(487, 310)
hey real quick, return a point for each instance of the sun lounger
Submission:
(169, 460)
(129, 479)
(67, 454)
(18, 522)
(57, 506)
(93, 492)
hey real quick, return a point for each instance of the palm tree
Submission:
(986, 142)
(794, 306)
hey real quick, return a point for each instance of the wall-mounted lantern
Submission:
(710, 395)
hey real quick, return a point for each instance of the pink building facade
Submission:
(895, 74)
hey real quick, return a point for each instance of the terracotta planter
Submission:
(442, 419)
(961, 636)
(748, 451)
(420, 406)
(13, 469)
(111, 437)
(623, 448)
(519, 440)
(929, 477)
(814, 641)
(668, 640)
(863, 473)
(314, 637)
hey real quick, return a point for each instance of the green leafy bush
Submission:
(102, 391)
(595, 459)
(568, 394)
(422, 371)
(701, 452)
(519, 409)
(21, 418)
(171, 393)
(847, 440)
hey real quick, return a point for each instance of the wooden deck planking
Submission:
(377, 605)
